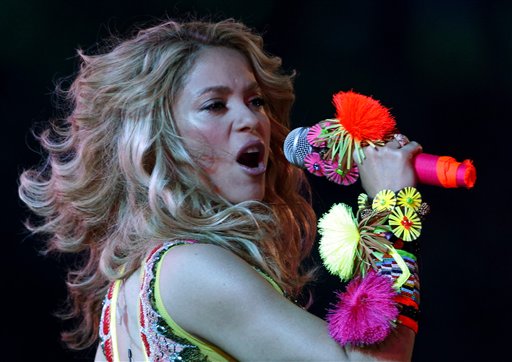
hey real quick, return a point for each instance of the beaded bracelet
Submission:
(408, 298)
(376, 250)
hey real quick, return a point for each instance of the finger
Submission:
(413, 147)
(356, 154)
(401, 139)
(394, 144)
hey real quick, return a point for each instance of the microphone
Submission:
(434, 170)
(296, 146)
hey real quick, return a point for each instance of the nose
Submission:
(247, 119)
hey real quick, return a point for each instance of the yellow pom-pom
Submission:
(339, 240)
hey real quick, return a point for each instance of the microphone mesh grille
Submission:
(296, 146)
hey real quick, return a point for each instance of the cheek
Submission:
(205, 148)
(268, 131)
(201, 133)
(209, 140)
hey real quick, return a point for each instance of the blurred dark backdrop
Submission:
(444, 68)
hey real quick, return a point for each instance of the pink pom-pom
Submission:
(313, 136)
(314, 164)
(365, 312)
(335, 173)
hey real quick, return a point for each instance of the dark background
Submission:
(444, 69)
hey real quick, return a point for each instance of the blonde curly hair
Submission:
(118, 179)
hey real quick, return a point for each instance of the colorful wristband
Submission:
(377, 251)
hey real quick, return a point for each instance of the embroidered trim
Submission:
(107, 331)
(160, 341)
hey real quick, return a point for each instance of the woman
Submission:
(168, 177)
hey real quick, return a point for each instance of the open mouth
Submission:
(249, 159)
(251, 156)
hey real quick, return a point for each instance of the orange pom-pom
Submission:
(363, 117)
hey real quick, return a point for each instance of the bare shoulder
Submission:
(206, 271)
(180, 254)
(194, 262)
(216, 295)
(209, 291)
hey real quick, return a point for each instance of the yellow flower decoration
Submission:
(363, 201)
(339, 240)
(409, 197)
(384, 200)
(406, 223)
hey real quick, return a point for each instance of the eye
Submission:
(257, 102)
(214, 106)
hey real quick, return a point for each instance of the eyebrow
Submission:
(253, 86)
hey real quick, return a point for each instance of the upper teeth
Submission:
(252, 150)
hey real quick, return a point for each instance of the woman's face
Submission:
(221, 115)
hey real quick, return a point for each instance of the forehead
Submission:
(218, 66)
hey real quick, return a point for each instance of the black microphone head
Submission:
(297, 147)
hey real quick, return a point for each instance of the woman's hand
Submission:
(389, 166)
